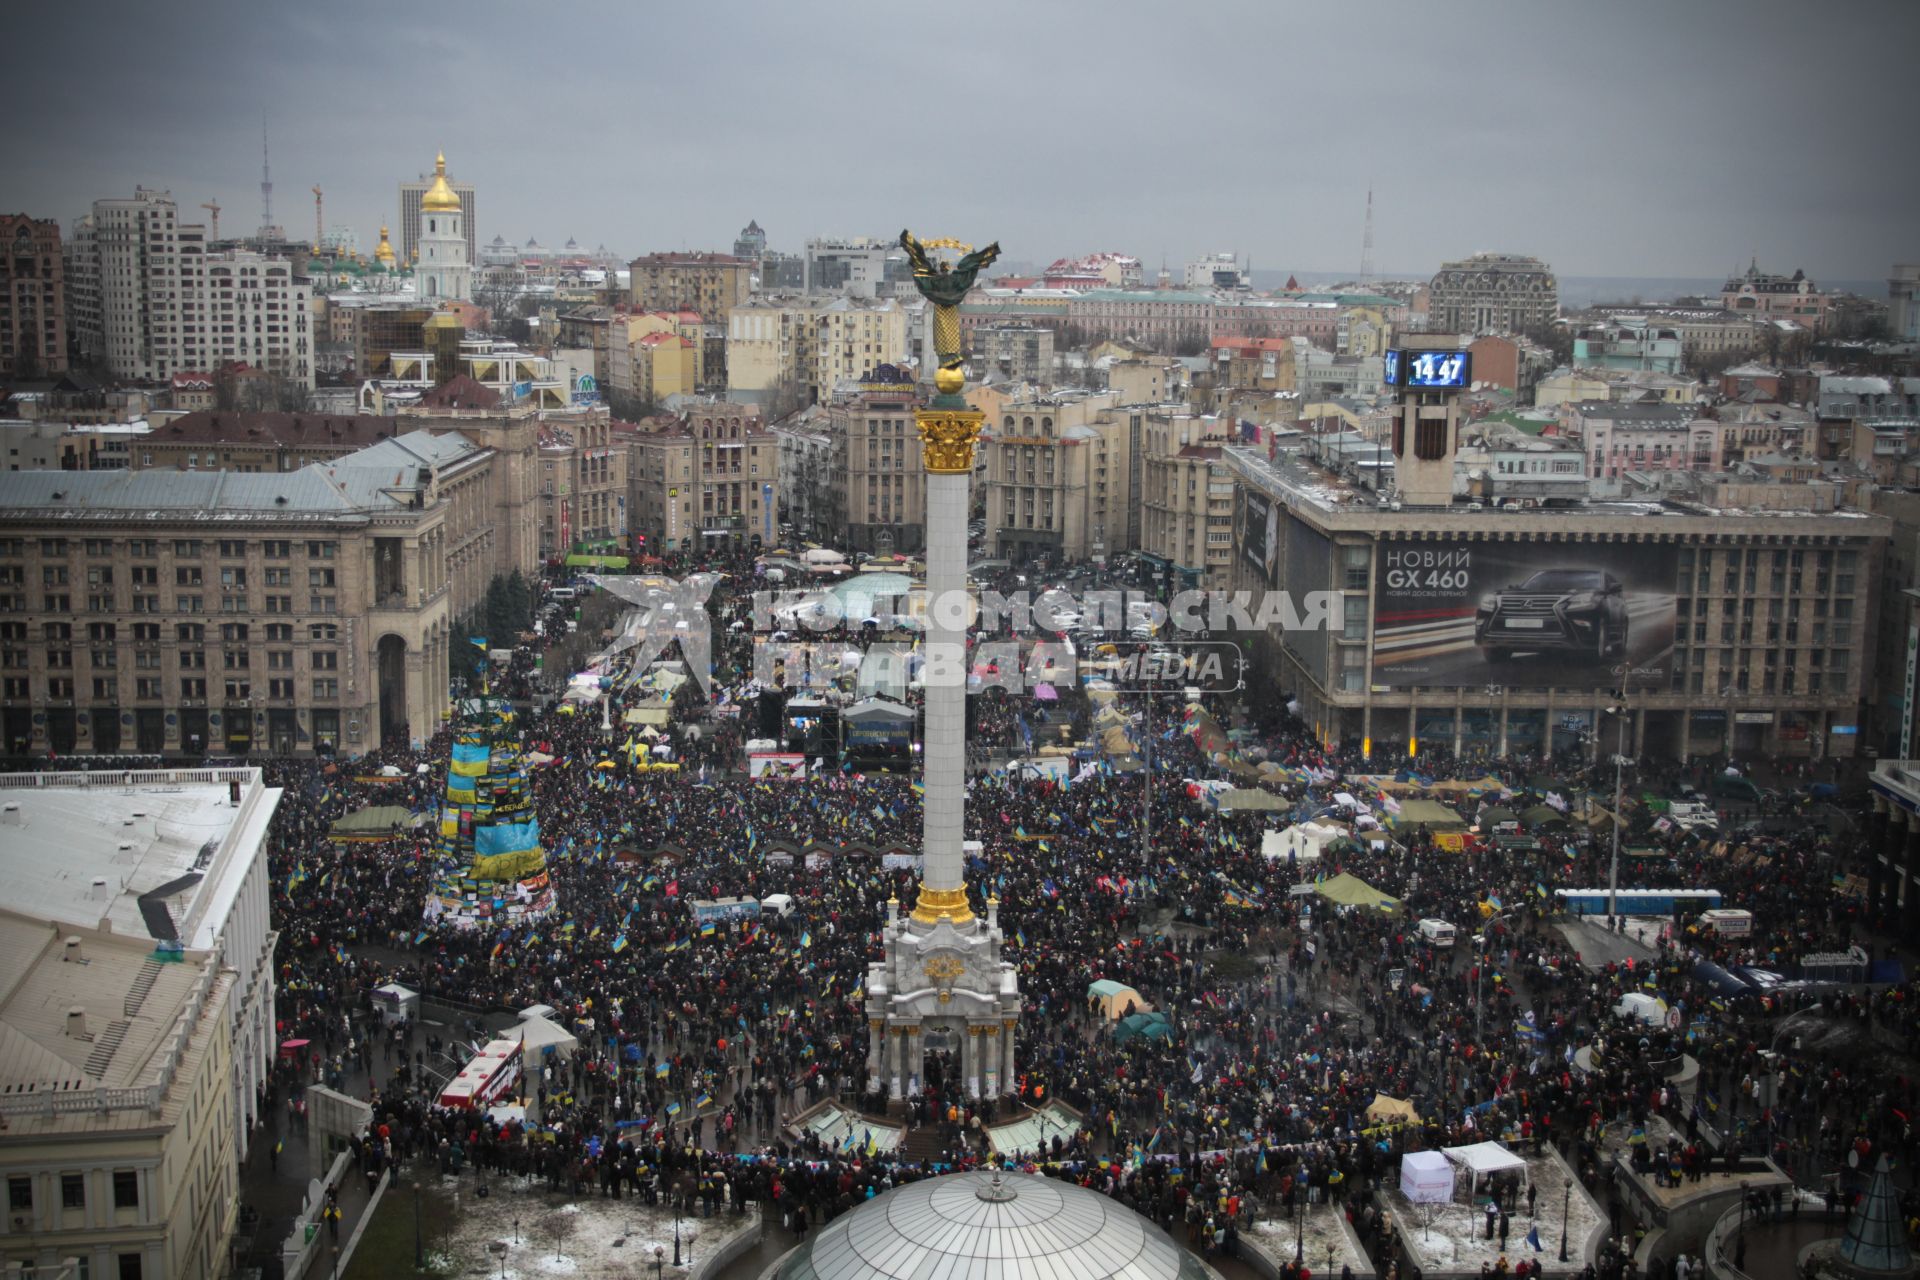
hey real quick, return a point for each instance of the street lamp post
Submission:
(1299, 1230)
(676, 1231)
(1480, 970)
(1619, 782)
(1566, 1201)
(419, 1246)
(659, 1259)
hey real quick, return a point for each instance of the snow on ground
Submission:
(546, 1235)
(1453, 1237)
(1322, 1230)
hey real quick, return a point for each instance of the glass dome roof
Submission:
(986, 1226)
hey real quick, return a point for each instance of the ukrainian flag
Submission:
(704, 1100)
(662, 1070)
(620, 944)
(706, 930)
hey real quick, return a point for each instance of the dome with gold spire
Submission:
(440, 197)
(384, 253)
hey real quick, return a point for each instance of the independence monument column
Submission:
(942, 987)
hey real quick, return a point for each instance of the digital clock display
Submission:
(1429, 369)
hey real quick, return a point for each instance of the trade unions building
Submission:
(1731, 616)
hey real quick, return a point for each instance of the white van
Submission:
(1639, 1007)
(1437, 933)
(562, 593)
(777, 904)
(1727, 922)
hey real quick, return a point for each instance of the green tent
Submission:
(1543, 815)
(1248, 800)
(596, 562)
(1351, 891)
(1152, 1026)
(1430, 814)
(378, 822)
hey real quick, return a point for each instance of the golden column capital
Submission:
(935, 905)
(948, 437)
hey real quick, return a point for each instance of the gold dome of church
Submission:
(440, 197)
(383, 254)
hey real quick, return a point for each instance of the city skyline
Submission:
(1690, 181)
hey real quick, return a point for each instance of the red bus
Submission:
(491, 1076)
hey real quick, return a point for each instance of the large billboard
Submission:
(1599, 616)
(1256, 544)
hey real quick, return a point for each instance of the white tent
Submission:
(1483, 1158)
(537, 1033)
(1303, 841)
(1426, 1177)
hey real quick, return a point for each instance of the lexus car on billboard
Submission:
(1597, 616)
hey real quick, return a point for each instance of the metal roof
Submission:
(360, 483)
(986, 1226)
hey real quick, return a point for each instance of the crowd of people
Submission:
(1288, 1016)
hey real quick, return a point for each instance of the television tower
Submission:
(268, 231)
(1366, 244)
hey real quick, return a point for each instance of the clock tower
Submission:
(1426, 376)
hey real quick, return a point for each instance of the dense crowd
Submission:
(1287, 1016)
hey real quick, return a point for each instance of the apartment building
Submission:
(710, 479)
(851, 338)
(1058, 479)
(80, 263)
(771, 349)
(1186, 496)
(879, 481)
(1493, 293)
(1013, 352)
(168, 304)
(214, 440)
(806, 453)
(33, 298)
(709, 283)
(583, 483)
(1622, 437)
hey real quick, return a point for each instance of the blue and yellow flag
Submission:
(661, 1071)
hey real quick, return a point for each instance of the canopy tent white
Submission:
(1426, 1177)
(1483, 1158)
(1303, 841)
(537, 1033)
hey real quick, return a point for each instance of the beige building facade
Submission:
(118, 1138)
(583, 483)
(770, 350)
(1058, 480)
(709, 283)
(315, 619)
(711, 479)
(851, 339)
(879, 484)
(1186, 497)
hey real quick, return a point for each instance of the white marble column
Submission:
(946, 680)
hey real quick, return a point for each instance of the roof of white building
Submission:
(170, 847)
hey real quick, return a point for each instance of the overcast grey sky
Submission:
(1629, 137)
